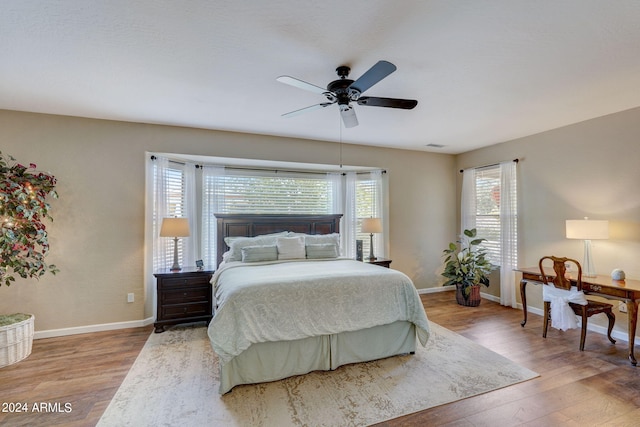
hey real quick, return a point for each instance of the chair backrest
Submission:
(560, 269)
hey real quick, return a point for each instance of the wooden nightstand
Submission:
(183, 296)
(378, 261)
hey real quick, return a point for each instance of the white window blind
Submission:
(488, 210)
(368, 205)
(241, 192)
(174, 205)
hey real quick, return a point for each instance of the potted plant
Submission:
(23, 245)
(467, 267)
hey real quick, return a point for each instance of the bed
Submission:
(275, 318)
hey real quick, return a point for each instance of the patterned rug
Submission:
(174, 381)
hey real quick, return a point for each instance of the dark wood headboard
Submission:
(249, 225)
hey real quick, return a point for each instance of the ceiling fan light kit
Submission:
(344, 91)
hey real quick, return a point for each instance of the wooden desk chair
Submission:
(584, 311)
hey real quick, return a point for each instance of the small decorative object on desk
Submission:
(618, 274)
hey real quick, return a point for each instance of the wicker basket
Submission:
(16, 338)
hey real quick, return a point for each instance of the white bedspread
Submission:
(279, 301)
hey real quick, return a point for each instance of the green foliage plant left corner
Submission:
(24, 242)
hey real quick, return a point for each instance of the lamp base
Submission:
(176, 264)
(588, 270)
(371, 256)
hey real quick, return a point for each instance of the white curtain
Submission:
(378, 241)
(508, 233)
(349, 219)
(468, 202)
(161, 253)
(211, 191)
(190, 244)
(508, 224)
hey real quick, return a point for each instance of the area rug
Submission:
(174, 381)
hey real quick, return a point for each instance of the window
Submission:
(488, 210)
(368, 205)
(235, 191)
(241, 192)
(169, 201)
(489, 204)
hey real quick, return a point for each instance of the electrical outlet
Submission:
(131, 297)
(622, 306)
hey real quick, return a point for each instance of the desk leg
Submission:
(632, 309)
(523, 295)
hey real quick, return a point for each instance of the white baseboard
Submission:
(92, 328)
(438, 289)
(453, 288)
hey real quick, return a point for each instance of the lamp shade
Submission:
(371, 225)
(175, 227)
(586, 229)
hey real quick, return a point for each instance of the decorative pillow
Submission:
(313, 239)
(290, 247)
(259, 253)
(322, 250)
(230, 239)
(237, 243)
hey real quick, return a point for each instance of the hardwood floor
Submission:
(594, 387)
(597, 387)
(75, 377)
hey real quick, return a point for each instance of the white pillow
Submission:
(290, 247)
(314, 239)
(259, 253)
(230, 239)
(322, 250)
(235, 248)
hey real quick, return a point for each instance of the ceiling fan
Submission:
(344, 91)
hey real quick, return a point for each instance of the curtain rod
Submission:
(487, 166)
(198, 166)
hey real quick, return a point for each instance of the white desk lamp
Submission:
(587, 230)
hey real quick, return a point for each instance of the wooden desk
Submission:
(624, 290)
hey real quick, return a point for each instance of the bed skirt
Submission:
(272, 361)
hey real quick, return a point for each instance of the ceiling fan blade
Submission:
(406, 104)
(348, 115)
(292, 81)
(376, 73)
(306, 109)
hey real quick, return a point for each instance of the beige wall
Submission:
(587, 169)
(97, 236)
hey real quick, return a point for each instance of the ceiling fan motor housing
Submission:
(344, 90)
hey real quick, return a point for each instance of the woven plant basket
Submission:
(16, 337)
(474, 297)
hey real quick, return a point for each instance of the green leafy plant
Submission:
(466, 264)
(23, 207)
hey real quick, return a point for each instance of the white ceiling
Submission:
(483, 71)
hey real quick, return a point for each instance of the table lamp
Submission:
(371, 225)
(587, 230)
(175, 227)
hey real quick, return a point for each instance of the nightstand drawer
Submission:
(185, 281)
(186, 295)
(183, 311)
(183, 296)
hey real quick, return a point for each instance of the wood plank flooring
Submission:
(590, 388)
